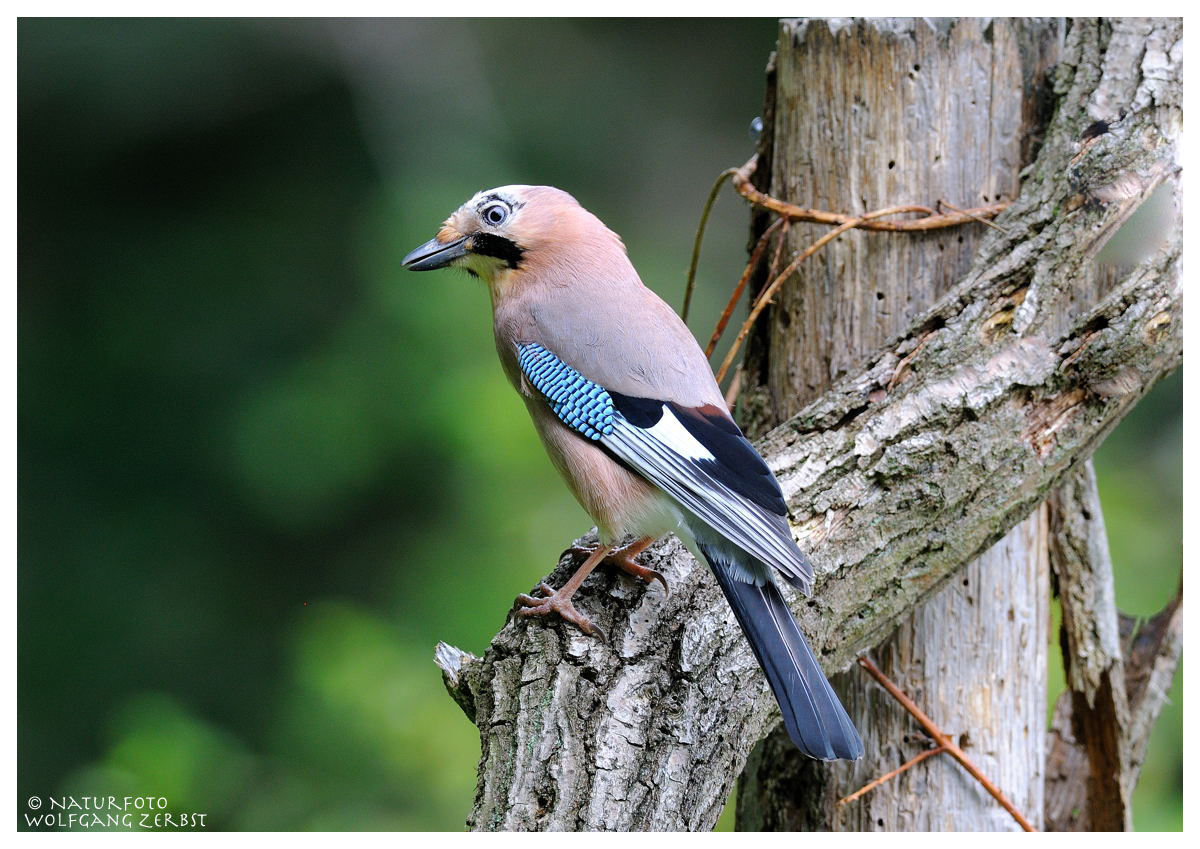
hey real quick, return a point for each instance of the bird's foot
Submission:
(547, 601)
(625, 559)
(627, 564)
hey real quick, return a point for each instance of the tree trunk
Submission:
(898, 475)
(909, 111)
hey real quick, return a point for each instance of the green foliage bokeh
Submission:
(261, 469)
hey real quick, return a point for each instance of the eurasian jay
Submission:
(627, 407)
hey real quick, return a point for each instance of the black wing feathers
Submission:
(639, 412)
(737, 464)
(700, 457)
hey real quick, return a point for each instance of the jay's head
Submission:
(501, 233)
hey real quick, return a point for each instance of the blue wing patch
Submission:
(583, 406)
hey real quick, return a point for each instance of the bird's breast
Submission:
(619, 501)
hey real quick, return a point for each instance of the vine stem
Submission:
(944, 740)
(708, 205)
(907, 765)
(768, 293)
(931, 220)
(755, 256)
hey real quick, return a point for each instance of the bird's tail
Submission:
(812, 714)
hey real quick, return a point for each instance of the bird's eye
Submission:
(495, 214)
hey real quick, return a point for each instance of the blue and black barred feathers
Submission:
(582, 405)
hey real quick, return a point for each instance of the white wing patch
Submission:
(671, 458)
(671, 433)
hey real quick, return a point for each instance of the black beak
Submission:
(434, 254)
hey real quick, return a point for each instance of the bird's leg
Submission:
(548, 600)
(624, 559)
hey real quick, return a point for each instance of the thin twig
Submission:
(708, 205)
(755, 256)
(930, 221)
(787, 225)
(867, 788)
(980, 219)
(790, 212)
(769, 292)
(943, 740)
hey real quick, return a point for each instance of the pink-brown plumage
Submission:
(619, 502)
(576, 293)
(631, 416)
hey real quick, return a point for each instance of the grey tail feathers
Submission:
(812, 713)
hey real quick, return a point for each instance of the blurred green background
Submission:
(262, 470)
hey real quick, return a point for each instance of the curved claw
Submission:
(624, 559)
(655, 575)
(630, 567)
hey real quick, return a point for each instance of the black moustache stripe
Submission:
(506, 250)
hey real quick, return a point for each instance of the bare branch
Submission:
(1117, 675)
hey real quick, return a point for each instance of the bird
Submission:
(629, 411)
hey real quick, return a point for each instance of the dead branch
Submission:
(1102, 722)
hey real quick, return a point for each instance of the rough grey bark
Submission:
(1102, 723)
(898, 475)
(914, 111)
